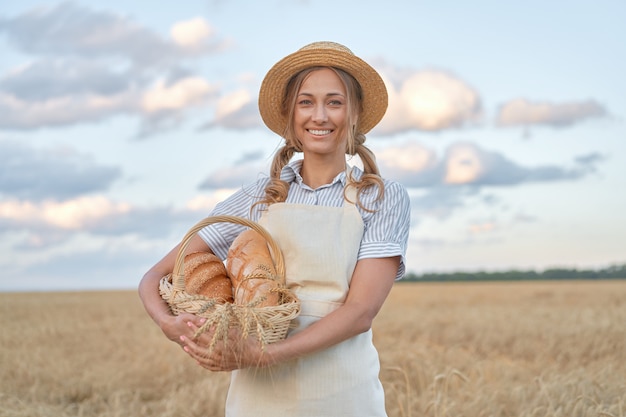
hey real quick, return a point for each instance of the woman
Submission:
(343, 233)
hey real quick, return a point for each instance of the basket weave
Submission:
(270, 324)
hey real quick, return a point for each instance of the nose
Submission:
(319, 114)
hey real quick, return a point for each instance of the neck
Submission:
(316, 173)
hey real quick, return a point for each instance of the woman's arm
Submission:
(371, 282)
(172, 326)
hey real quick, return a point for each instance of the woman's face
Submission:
(321, 114)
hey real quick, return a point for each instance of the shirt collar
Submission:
(291, 173)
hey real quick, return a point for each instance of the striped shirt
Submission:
(386, 228)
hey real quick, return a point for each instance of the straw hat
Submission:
(325, 54)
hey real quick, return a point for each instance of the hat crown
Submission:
(327, 45)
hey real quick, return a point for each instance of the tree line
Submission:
(611, 272)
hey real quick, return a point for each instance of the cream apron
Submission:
(320, 247)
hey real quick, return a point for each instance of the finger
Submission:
(197, 351)
(201, 336)
(198, 321)
(194, 330)
(191, 347)
(207, 359)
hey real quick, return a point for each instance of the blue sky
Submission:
(123, 123)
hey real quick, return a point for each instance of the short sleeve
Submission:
(219, 236)
(386, 232)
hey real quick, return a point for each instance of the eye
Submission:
(335, 102)
(305, 102)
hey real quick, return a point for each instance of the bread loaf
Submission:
(252, 272)
(205, 274)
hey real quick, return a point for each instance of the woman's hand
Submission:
(230, 353)
(174, 327)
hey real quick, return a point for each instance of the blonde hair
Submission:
(277, 190)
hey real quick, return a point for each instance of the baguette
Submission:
(252, 272)
(205, 274)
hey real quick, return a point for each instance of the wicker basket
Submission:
(270, 324)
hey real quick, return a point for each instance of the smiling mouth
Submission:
(319, 132)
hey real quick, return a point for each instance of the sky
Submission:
(123, 123)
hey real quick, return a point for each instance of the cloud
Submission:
(416, 166)
(69, 29)
(82, 261)
(165, 104)
(191, 33)
(590, 160)
(440, 202)
(411, 157)
(101, 267)
(91, 65)
(205, 203)
(250, 157)
(588, 163)
(59, 93)
(522, 112)
(428, 100)
(235, 176)
(245, 170)
(183, 93)
(65, 92)
(61, 173)
(50, 78)
(75, 214)
(236, 110)
(465, 163)
(49, 223)
(482, 227)
(91, 238)
(411, 163)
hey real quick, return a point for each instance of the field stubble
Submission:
(481, 349)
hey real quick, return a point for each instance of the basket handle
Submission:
(178, 276)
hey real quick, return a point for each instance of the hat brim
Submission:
(275, 83)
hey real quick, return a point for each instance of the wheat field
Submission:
(541, 349)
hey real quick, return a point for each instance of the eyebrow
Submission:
(304, 93)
